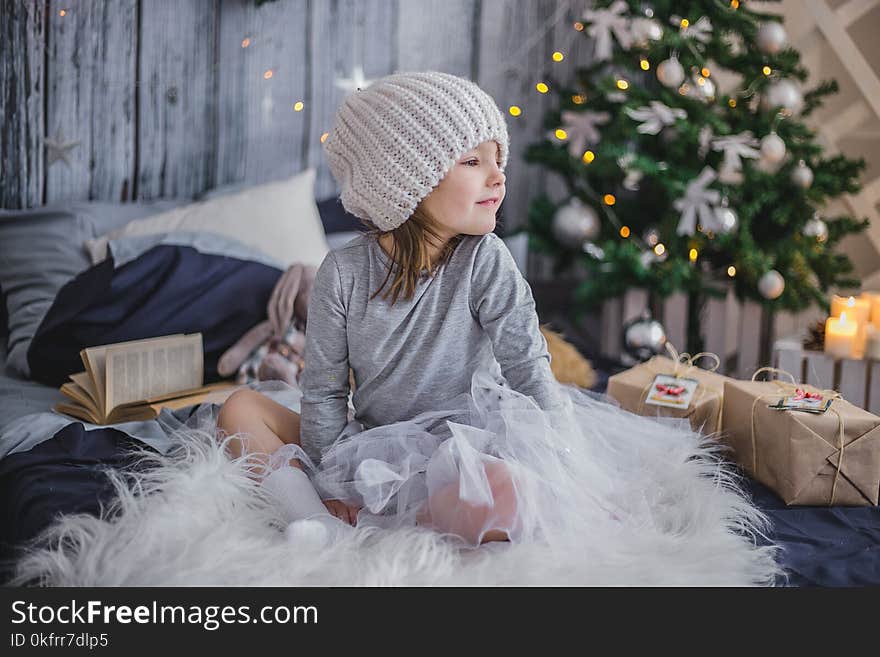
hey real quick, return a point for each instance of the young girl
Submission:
(458, 425)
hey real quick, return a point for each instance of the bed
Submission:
(53, 466)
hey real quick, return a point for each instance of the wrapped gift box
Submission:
(632, 387)
(830, 458)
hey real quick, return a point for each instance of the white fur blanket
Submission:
(197, 519)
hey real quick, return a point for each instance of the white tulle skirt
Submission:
(492, 461)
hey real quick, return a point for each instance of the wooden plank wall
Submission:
(169, 99)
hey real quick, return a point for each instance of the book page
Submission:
(141, 370)
(95, 360)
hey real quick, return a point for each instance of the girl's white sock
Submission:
(293, 489)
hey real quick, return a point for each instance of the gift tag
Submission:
(802, 400)
(667, 390)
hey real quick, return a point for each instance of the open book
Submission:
(134, 380)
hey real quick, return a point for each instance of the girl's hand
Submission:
(343, 511)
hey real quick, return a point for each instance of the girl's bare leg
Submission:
(445, 511)
(266, 424)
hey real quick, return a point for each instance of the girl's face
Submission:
(466, 200)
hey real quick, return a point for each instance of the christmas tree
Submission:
(678, 182)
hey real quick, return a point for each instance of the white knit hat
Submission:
(393, 142)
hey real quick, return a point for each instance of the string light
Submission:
(324, 137)
(622, 84)
(692, 254)
(660, 249)
(543, 88)
(561, 134)
(732, 102)
(62, 13)
(684, 23)
(609, 199)
(588, 157)
(267, 74)
(705, 72)
(734, 4)
(578, 99)
(579, 26)
(514, 110)
(245, 42)
(731, 271)
(645, 64)
(767, 70)
(558, 56)
(297, 107)
(701, 81)
(624, 231)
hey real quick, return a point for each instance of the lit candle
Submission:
(872, 344)
(874, 298)
(840, 336)
(858, 310)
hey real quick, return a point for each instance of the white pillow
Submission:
(280, 219)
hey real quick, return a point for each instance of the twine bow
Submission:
(682, 363)
(811, 392)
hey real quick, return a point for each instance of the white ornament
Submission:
(604, 23)
(802, 175)
(734, 148)
(633, 176)
(771, 37)
(726, 219)
(581, 129)
(784, 94)
(670, 73)
(700, 30)
(697, 201)
(705, 90)
(645, 30)
(655, 116)
(356, 82)
(730, 176)
(772, 148)
(594, 251)
(771, 284)
(575, 223)
(817, 228)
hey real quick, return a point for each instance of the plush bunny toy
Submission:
(274, 349)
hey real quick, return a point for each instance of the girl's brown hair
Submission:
(410, 253)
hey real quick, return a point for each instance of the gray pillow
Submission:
(42, 249)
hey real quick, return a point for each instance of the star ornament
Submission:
(356, 82)
(58, 148)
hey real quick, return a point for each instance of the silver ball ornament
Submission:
(816, 228)
(784, 94)
(771, 37)
(575, 223)
(726, 219)
(643, 337)
(670, 73)
(771, 285)
(802, 175)
(772, 148)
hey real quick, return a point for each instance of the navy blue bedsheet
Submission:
(65, 474)
(822, 546)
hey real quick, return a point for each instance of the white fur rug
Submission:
(197, 519)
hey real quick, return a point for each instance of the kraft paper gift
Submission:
(832, 458)
(632, 387)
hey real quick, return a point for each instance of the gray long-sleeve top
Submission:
(409, 357)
